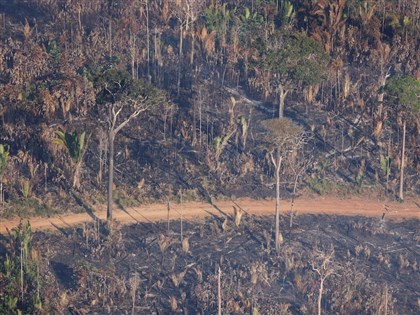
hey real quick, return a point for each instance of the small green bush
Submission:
(319, 185)
(26, 208)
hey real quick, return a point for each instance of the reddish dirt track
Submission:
(409, 209)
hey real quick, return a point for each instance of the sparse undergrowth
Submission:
(369, 266)
(27, 208)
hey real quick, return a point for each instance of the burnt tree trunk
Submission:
(402, 163)
(111, 138)
(282, 96)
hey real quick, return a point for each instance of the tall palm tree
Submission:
(76, 146)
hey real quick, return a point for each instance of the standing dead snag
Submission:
(298, 170)
(219, 292)
(114, 111)
(322, 264)
(134, 285)
(282, 138)
(4, 157)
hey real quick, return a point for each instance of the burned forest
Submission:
(107, 105)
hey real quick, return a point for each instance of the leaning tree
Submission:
(282, 137)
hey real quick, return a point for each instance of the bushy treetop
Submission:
(406, 91)
(296, 58)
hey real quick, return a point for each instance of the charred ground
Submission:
(204, 139)
(83, 270)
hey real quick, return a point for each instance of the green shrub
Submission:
(20, 270)
(26, 208)
(319, 185)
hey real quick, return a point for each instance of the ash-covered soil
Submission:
(369, 266)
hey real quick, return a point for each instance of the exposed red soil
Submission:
(199, 210)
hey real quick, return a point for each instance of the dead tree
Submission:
(281, 139)
(298, 170)
(187, 12)
(323, 265)
(114, 111)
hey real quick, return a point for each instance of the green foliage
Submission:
(287, 12)
(54, 51)
(220, 143)
(248, 17)
(113, 85)
(359, 178)
(322, 166)
(218, 18)
(27, 207)
(124, 200)
(406, 91)
(319, 185)
(28, 94)
(385, 163)
(250, 22)
(21, 295)
(10, 303)
(297, 59)
(76, 146)
(25, 188)
(318, 181)
(73, 143)
(4, 157)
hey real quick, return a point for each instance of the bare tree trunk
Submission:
(148, 39)
(76, 176)
(388, 165)
(103, 148)
(181, 35)
(380, 111)
(386, 300)
(79, 12)
(133, 55)
(45, 177)
(321, 290)
(111, 138)
(192, 45)
(182, 218)
(219, 292)
(200, 121)
(293, 200)
(22, 284)
(168, 207)
(112, 132)
(277, 228)
(282, 96)
(110, 38)
(402, 163)
(194, 129)
(322, 265)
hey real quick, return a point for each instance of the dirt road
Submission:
(199, 210)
